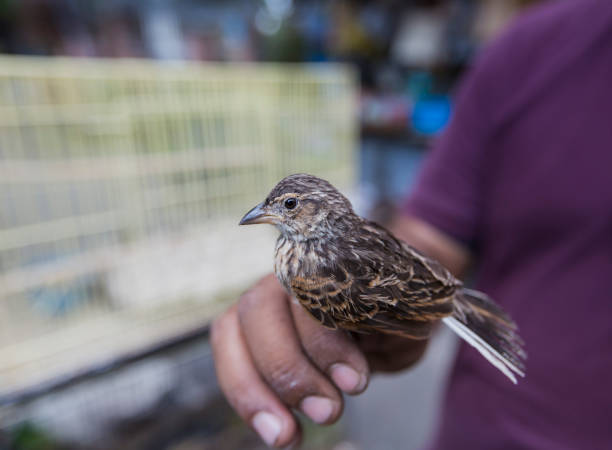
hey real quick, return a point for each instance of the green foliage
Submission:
(28, 436)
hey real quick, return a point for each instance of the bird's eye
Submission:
(290, 203)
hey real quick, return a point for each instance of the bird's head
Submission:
(303, 207)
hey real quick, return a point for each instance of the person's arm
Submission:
(436, 244)
(272, 357)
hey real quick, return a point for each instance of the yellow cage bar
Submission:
(121, 183)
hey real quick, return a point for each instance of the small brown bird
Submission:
(351, 273)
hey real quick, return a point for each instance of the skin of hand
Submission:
(271, 357)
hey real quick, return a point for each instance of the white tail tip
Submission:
(492, 355)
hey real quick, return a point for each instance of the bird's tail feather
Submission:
(485, 326)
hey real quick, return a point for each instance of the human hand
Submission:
(272, 357)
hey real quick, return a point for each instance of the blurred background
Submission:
(135, 134)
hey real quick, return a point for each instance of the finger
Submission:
(268, 326)
(377, 342)
(333, 351)
(388, 353)
(244, 389)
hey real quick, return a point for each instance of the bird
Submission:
(353, 274)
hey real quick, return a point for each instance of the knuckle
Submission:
(289, 380)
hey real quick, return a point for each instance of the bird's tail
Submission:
(485, 326)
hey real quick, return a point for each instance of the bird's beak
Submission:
(258, 215)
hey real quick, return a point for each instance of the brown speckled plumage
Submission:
(351, 273)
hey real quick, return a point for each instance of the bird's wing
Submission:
(377, 282)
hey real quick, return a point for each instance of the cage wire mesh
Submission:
(121, 184)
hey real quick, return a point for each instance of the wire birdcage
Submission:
(121, 183)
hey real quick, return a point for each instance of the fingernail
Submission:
(268, 426)
(347, 378)
(319, 409)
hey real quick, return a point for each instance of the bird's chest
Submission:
(294, 259)
(300, 269)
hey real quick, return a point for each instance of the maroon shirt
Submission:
(523, 175)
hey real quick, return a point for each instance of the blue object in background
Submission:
(58, 300)
(431, 114)
(63, 298)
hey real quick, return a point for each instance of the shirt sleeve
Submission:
(448, 193)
